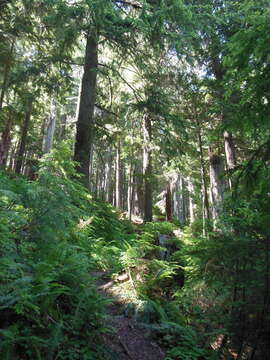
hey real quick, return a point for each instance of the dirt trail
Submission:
(128, 342)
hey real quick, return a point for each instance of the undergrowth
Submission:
(191, 292)
(52, 237)
(155, 264)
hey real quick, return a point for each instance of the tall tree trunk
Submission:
(130, 190)
(102, 181)
(108, 176)
(206, 207)
(229, 150)
(49, 131)
(62, 129)
(139, 191)
(125, 180)
(96, 183)
(23, 138)
(216, 183)
(12, 156)
(119, 177)
(229, 153)
(191, 201)
(183, 201)
(168, 203)
(91, 170)
(5, 142)
(180, 199)
(147, 169)
(6, 76)
(85, 120)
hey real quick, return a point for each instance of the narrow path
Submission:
(127, 341)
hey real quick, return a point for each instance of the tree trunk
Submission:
(168, 203)
(139, 191)
(206, 207)
(219, 73)
(191, 201)
(119, 177)
(147, 169)
(6, 76)
(49, 132)
(108, 177)
(23, 139)
(85, 120)
(130, 191)
(5, 142)
(62, 130)
(12, 156)
(180, 200)
(216, 184)
(91, 171)
(229, 153)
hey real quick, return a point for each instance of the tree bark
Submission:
(206, 207)
(91, 185)
(130, 190)
(139, 190)
(119, 177)
(108, 177)
(5, 142)
(147, 169)
(22, 145)
(12, 156)
(49, 132)
(180, 200)
(85, 120)
(168, 203)
(216, 184)
(62, 130)
(229, 154)
(6, 76)
(191, 201)
(219, 73)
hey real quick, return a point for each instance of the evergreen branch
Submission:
(135, 5)
(138, 97)
(106, 110)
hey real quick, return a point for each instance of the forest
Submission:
(134, 179)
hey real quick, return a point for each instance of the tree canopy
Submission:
(134, 143)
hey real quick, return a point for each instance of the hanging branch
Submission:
(138, 97)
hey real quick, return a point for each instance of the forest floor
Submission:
(127, 340)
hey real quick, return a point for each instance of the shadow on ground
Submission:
(127, 341)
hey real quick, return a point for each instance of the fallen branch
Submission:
(125, 348)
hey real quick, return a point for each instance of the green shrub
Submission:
(49, 306)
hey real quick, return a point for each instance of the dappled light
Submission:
(134, 180)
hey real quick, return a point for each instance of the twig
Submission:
(125, 348)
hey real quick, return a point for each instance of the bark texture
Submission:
(6, 76)
(191, 201)
(147, 169)
(230, 154)
(139, 190)
(216, 183)
(180, 200)
(5, 142)
(85, 120)
(62, 129)
(49, 131)
(119, 177)
(206, 207)
(168, 204)
(22, 145)
(229, 150)
(130, 199)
